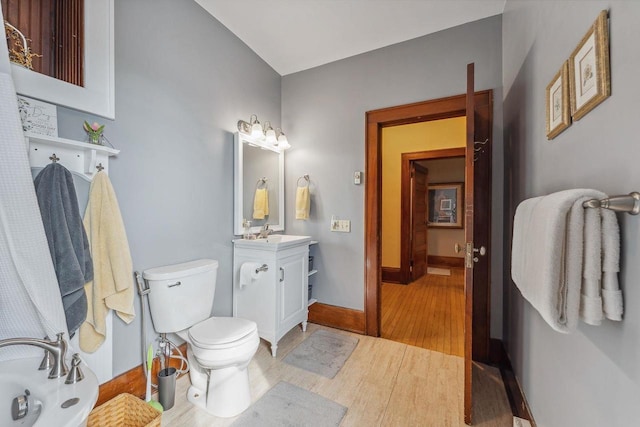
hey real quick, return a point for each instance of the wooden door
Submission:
(468, 236)
(419, 210)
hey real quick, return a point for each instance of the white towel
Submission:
(590, 300)
(30, 303)
(611, 294)
(547, 254)
(249, 273)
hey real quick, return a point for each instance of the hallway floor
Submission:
(383, 383)
(427, 313)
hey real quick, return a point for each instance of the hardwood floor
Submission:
(427, 313)
(383, 383)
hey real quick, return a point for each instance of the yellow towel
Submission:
(112, 285)
(303, 203)
(260, 203)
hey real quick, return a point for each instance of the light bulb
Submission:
(256, 130)
(271, 136)
(283, 144)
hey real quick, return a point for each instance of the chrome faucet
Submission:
(264, 231)
(57, 348)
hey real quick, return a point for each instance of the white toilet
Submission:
(181, 299)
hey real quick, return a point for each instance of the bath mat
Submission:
(439, 271)
(323, 353)
(288, 405)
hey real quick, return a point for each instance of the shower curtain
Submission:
(30, 302)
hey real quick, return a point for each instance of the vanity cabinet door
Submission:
(292, 281)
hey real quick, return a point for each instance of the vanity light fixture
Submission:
(252, 127)
(283, 143)
(270, 134)
(272, 138)
(256, 129)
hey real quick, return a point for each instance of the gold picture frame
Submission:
(446, 209)
(590, 79)
(558, 114)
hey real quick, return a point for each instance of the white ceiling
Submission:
(295, 35)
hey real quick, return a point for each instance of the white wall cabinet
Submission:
(277, 299)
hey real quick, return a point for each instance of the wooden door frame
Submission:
(405, 202)
(443, 108)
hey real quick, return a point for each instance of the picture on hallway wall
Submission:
(445, 202)
(589, 75)
(558, 114)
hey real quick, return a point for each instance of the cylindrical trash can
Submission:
(167, 387)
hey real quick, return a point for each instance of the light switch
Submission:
(357, 177)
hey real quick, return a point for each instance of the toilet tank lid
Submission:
(184, 269)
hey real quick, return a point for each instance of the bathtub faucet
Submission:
(57, 348)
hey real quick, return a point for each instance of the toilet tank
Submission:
(181, 295)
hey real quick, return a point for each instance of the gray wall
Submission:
(323, 113)
(590, 377)
(182, 82)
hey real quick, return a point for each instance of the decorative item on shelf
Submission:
(94, 132)
(264, 133)
(38, 117)
(16, 40)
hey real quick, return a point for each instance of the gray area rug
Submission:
(288, 405)
(323, 353)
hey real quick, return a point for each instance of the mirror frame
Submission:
(239, 139)
(97, 96)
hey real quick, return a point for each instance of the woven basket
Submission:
(124, 410)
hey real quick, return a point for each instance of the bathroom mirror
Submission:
(255, 161)
(96, 96)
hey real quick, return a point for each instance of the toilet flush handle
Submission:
(175, 284)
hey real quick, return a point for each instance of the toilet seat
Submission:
(217, 333)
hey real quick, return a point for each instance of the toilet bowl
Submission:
(219, 349)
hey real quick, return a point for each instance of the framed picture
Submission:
(558, 115)
(589, 79)
(445, 205)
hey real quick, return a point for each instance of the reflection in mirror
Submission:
(47, 36)
(255, 161)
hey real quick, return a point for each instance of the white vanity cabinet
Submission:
(277, 298)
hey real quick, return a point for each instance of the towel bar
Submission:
(626, 203)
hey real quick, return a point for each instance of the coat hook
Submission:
(99, 167)
(54, 158)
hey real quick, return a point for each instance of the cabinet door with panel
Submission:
(293, 292)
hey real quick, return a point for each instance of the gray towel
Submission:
(67, 239)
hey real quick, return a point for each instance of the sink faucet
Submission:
(57, 348)
(264, 232)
